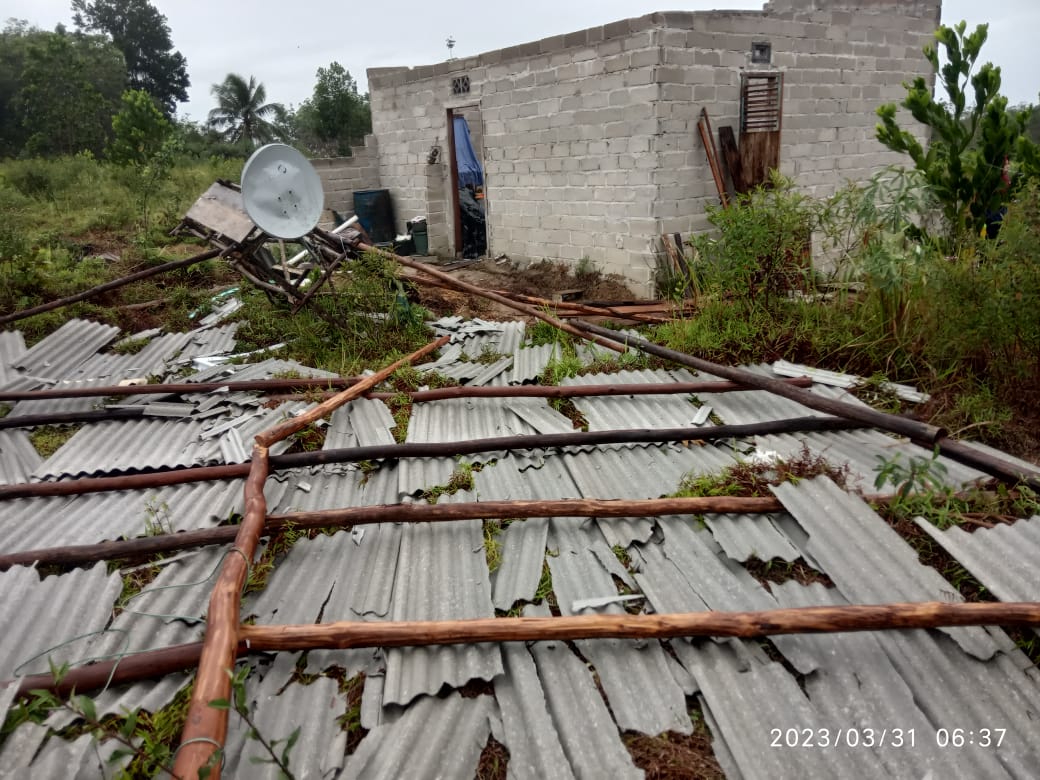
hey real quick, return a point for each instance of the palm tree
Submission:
(242, 114)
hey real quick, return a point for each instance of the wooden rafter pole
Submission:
(115, 283)
(618, 345)
(206, 727)
(799, 620)
(394, 513)
(183, 388)
(905, 426)
(459, 391)
(325, 408)
(427, 450)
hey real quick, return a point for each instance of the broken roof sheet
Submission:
(619, 412)
(547, 708)
(55, 356)
(1004, 558)
(12, 348)
(18, 457)
(442, 574)
(86, 597)
(868, 561)
(97, 517)
(127, 446)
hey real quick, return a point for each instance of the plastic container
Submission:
(420, 236)
(376, 212)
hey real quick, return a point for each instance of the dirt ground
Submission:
(541, 280)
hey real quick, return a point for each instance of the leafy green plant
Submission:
(239, 703)
(972, 137)
(762, 248)
(916, 474)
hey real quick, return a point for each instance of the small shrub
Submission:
(762, 249)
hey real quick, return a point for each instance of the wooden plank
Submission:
(731, 154)
(220, 209)
(759, 153)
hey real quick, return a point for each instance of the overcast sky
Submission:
(283, 42)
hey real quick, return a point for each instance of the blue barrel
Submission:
(375, 210)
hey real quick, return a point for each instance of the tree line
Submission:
(110, 88)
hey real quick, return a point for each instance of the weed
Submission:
(567, 408)
(278, 546)
(135, 580)
(157, 517)
(352, 688)
(489, 355)
(779, 571)
(623, 557)
(408, 379)
(563, 365)
(750, 478)
(308, 439)
(48, 439)
(239, 704)
(130, 346)
(147, 740)
(494, 759)
(919, 474)
(544, 591)
(461, 479)
(400, 406)
(493, 544)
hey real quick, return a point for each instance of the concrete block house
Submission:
(589, 140)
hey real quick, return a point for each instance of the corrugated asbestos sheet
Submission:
(18, 457)
(127, 446)
(743, 537)
(609, 413)
(920, 680)
(583, 724)
(442, 574)
(1003, 558)
(35, 630)
(528, 731)
(522, 553)
(361, 423)
(558, 707)
(868, 561)
(434, 737)
(12, 348)
(56, 355)
(278, 708)
(863, 452)
(97, 517)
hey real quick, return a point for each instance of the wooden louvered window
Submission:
(761, 101)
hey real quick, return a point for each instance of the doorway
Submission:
(467, 181)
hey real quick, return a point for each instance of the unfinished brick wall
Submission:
(590, 138)
(839, 65)
(341, 176)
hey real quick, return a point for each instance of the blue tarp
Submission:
(470, 171)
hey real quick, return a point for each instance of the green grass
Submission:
(48, 439)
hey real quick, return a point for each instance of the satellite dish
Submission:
(281, 191)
